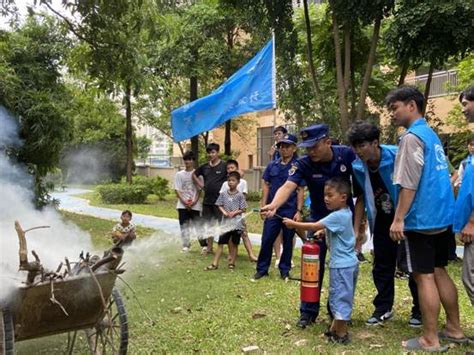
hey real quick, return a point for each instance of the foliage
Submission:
(123, 193)
(143, 146)
(32, 90)
(157, 185)
(431, 31)
(254, 196)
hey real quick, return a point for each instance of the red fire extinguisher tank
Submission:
(310, 272)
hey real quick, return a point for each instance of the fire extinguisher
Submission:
(310, 271)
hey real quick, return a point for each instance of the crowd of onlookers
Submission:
(404, 194)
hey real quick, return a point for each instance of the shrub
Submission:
(254, 196)
(156, 185)
(123, 193)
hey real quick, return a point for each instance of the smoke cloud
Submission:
(61, 240)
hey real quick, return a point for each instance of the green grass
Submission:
(222, 311)
(167, 208)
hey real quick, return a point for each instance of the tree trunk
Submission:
(309, 49)
(129, 131)
(227, 140)
(228, 126)
(368, 69)
(353, 94)
(427, 88)
(347, 57)
(403, 73)
(193, 95)
(339, 75)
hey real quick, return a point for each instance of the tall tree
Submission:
(114, 41)
(430, 32)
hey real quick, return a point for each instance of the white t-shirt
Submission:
(183, 183)
(241, 187)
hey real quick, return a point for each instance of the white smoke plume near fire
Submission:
(52, 245)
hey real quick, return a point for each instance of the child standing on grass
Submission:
(343, 263)
(232, 204)
(188, 205)
(124, 233)
(233, 165)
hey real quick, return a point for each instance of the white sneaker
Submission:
(277, 262)
(185, 250)
(292, 264)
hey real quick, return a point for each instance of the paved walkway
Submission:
(71, 203)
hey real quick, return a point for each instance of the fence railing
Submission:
(443, 83)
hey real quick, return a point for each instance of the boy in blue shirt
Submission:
(343, 264)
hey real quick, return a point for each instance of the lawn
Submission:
(167, 208)
(223, 311)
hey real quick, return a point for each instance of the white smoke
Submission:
(53, 244)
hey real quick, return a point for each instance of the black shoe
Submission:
(259, 275)
(285, 277)
(304, 322)
(344, 340)
(361, 258)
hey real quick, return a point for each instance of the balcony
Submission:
(442, 84)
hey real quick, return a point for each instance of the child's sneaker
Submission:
(376, 320)
(344, 340)
(415, 321)
(185, 250)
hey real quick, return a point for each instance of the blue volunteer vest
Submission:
(433, 205)
(465, 201)
(387, 161)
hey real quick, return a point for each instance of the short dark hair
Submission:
(127, 212)
(234, 174)
(213, 146)
(189, 155)
(280, 129)
(406, 94)
(363, 131)
(232, 162)
(340, 184)
(467, 94)
(471, 138)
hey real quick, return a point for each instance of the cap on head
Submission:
(312, 134)
(288, 139)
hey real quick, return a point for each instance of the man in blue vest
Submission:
(464, 209)
(322, 162)
(373, 171)
(274, 177)
(422, 217)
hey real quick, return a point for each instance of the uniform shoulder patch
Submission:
(292, 169)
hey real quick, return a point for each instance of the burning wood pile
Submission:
(87, 263)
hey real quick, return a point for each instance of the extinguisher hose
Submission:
(298, 279)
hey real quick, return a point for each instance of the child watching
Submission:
(233, 165)
(343, 264)
(188, 205)
(124, 233)
(232, 204)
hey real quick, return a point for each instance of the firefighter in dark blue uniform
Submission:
(274, 177)
(322, 162)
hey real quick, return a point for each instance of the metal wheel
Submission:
(7, 336)
(110, 335)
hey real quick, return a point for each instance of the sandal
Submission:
(231, 266)
(414, 344)
(444, 336)
(211, 267)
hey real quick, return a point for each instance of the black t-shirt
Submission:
(214, 177)
(383, 203)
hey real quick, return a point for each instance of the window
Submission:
(264, 143)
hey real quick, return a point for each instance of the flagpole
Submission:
(274, 79)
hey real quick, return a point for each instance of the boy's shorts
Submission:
(342, 284)
(232, 235)
(426, 251)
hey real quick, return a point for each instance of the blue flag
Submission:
(250, 89)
